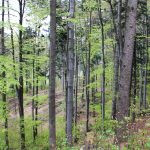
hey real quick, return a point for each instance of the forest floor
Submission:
(139, 131)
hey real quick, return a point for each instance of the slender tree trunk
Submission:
(76, 86)
(93, 96)
(88, 76)
(141, 87)
(20, 89)
(146, 62)
(36, 106)
(117, 54)
(52, 75)
(4, 79)
(66, 77)
(37, 94)
(27, 83)
(103, 63)
(134, 83)
(33, 101)
(83, 85)
(70, 72)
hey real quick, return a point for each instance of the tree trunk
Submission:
(76, 84)
(134, 83)
(20, 89)
(116, 82)
(88, 75)
(93, 96)
(70, 72)
(4, 79)
(117, 54)
(33, 101)
(52, 75)
(141, 86)
(146, 61)
(103, 63)
(125, 74)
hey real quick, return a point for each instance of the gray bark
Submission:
(52, 71)
(88, 61)
(70, 72)
(117, 54)
(125, 74)
(103, 63)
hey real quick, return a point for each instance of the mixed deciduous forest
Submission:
(74, 74)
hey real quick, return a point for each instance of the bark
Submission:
(36, 105)
(76, 84)
(66, 75)
(134, 83)
(52, 74)
(93, 96)
(33, 101)
(125, 74)
(141, 87)
(88, 61)
(116, 82)
(27, 83)
(123, 103)
(4, 79)
(117, 53)
(70, 72)
(20, 89)
(146, 61)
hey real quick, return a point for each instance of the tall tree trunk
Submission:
(66, 77)
(20, 89)
(70, 72)
(134, 83)
(125, 74)
(146, 60)
(123, 103)
(33, 94)
(141, 86)
(88, 74)
(103, 63)
(52, 75)
(117, 53)
(4, 79)
(93, 95)
(36, 102)
(76, 83)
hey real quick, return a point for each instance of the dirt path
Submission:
(43, 108)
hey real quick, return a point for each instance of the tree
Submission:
(118, 27)
(125, 75)
(20, 89)
(4, 78)
(52, 74)
(70, 72)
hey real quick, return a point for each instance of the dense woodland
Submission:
(74, 74)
